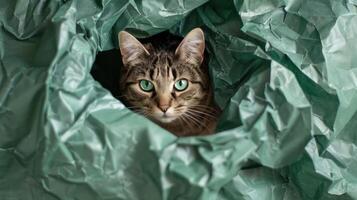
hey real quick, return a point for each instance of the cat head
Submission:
(165, 85)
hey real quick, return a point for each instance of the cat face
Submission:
(162, 85)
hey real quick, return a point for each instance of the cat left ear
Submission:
(192, 47)
(130, 48)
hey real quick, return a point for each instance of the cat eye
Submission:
(181, 84)
(146, 85)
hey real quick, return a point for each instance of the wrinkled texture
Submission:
(284, 73)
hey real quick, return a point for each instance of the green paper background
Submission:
(284, 72)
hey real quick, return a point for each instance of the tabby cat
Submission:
(171, 88)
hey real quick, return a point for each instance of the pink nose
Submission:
(164, 108)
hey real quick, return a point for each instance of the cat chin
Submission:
(166, 119)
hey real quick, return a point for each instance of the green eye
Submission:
(181, 84)
(146, 85)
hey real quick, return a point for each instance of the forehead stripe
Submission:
(151, 74)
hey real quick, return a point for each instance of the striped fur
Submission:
(190, 112)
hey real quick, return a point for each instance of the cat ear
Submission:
(192, 47)
(130, 48)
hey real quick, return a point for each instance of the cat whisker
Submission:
(201, 117)
(195, 121)
(203, 113)
(137, 107)
(145, 114)
(185, 121)
(140, 111)
(204, 108)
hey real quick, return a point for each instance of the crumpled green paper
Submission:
(284, 73)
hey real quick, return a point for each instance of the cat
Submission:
(172, 88)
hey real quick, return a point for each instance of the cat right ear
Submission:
(130, 48)
(191, 49)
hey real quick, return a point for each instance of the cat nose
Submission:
(164, 108)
